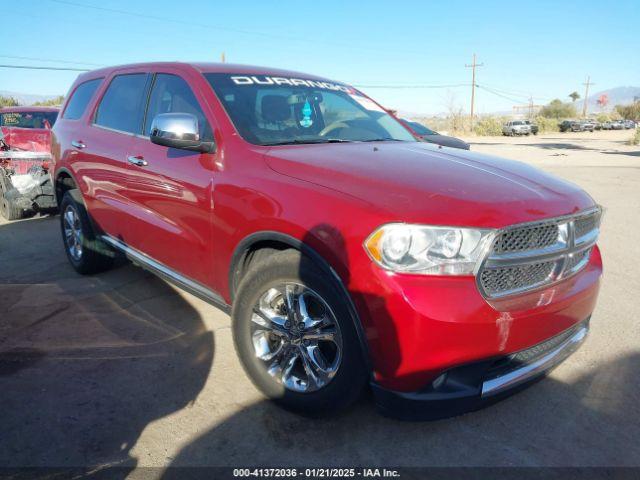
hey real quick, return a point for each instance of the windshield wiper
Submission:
(306, 142)
(384, 140)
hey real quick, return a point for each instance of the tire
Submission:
(9, 210)
(342, 355)
(85, 252)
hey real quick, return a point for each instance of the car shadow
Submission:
(590, 420)
(88, 362)
(566, 145)
(630, 154)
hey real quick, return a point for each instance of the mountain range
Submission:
(616, 96)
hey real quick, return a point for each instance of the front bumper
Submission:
(476, 385)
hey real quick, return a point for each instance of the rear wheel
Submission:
(86, 253)
(9, 210)
(295, 337)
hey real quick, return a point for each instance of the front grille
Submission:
(574, 260)
(526, 257)
(526, 238)
(584, 225)
(502, 280)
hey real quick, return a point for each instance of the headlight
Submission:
(428, 250)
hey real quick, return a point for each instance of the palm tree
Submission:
(574, 96)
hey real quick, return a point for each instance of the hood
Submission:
(29, 139)
(423, 183)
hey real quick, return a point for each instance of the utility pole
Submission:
(473, 85)
(586, 95)
(222, 58)
(530, 107)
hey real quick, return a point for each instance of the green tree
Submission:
(8, 102)
(574, 96)
(629, 112)
(558, 109)
(52, 102)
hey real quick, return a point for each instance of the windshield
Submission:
(28, 119)
(421, 129)
(279, 111)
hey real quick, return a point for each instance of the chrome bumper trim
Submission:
(538, 367)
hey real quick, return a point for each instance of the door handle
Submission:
(138, 161)
(78, 144)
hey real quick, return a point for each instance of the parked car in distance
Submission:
(426, 134)
(571, 126)
(617, 125)
(628, 124)
(347, 252)
(532, 126)
(595, 125)
(516, 127)
(587, 126)
(606, 125)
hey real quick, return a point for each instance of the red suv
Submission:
(346, 251)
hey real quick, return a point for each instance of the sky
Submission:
(543, 49)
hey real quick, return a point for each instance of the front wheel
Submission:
(86, 253)
(295, 336)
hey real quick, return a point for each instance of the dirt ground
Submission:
(123, 369)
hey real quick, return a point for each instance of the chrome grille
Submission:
(499, 280)
(529, 256)
(574, 260)
(586, 224)
(526, 238)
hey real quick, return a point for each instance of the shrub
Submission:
(629, 112)
(546, 124)
(52, 102)
(8, 102)
(488, 126)
(558, 109)
(635, 139)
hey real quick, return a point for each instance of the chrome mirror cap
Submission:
(179, 130)
(175, 126)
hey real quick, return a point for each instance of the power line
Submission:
(453, 85)
(191, 23)
(515, 93)
(51, 60)
(501, 95)
(40, 67)
(43, 67)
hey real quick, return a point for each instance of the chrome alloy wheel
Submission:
(72, 232)
(297, 337)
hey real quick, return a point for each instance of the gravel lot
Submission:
(123, 369)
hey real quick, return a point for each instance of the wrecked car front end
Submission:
(25, 183)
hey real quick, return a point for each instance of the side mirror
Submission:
(179, 130)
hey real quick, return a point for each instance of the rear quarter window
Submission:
(80, 98)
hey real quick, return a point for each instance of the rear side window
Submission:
(121, 105)
(80, 99)
(171, 94)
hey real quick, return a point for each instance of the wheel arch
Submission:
(63, 182)
(241, 258)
